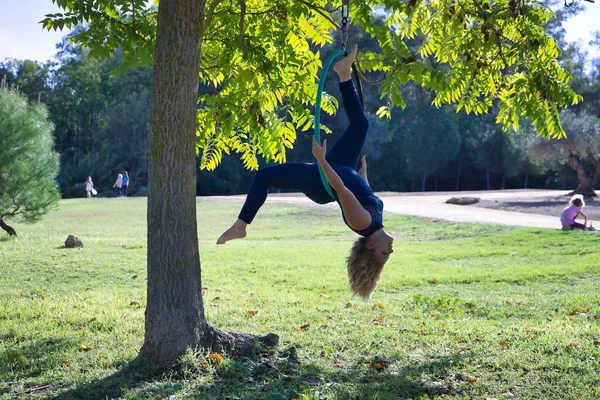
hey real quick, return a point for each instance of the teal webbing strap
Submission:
(318, 112)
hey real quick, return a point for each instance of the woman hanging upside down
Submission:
(362, 211)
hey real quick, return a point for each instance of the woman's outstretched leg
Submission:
(298, 176)
(348, 147)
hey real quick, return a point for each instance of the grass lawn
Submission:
(462, 310)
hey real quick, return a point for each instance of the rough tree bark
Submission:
(587, 176)
(175, 318)
(7, 227)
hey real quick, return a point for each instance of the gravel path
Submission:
(433, 205)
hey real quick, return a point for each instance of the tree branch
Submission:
(242, 17)
(322, 11)
(211, 12)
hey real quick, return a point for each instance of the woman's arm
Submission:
(332, 177)
(356, 215)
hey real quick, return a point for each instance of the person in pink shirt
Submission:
(572, 211)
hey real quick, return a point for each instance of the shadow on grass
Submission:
(132, 375)
(29, 359)
(276, 377)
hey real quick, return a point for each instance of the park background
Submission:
(463, 310)
(102, 127)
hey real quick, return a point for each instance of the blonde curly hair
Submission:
(363, 269)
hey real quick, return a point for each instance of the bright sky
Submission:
(22, 37)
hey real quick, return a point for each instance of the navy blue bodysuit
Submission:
(343, 158)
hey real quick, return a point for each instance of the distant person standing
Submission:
(119, 185)
(89, 186)
(125, 183)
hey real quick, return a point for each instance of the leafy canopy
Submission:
(260, 66)
(28, 163)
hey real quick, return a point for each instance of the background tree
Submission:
(28, 163)
(580, 150)
(432, 142)
(257, 58)
(29, 76)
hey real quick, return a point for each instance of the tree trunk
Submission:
(458, 179)
(424, 182)
(503, 182)
(435, 183)
(7, 227)
(174, 318)
(526, 180)
(487, 179)
(587, 177)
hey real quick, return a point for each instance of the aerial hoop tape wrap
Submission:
(339, 53)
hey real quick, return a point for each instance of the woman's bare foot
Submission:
(344, 66)
(237, 231)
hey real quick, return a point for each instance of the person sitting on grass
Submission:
(362, 211)
(572, 211)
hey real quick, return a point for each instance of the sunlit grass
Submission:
(462, 310)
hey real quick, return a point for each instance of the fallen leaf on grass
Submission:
(572, 345)
(472, 380)
(135, 276)
(216, 357)
(64, 362)
(21, 339)
(305, 327)
(79, 327)
(134, 303)
(380, 366)
(350, 305)
(461, 350)
(324, 296)
(251, 313)
(526, 328)
(35, 318)
(324, 326)
(378, 304)
(597, 316)
(579, 310)
(204, 289)
(217, 298)
(83, 347)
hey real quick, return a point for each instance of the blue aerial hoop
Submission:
(336, 54)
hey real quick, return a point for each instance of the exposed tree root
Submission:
(238, 343)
